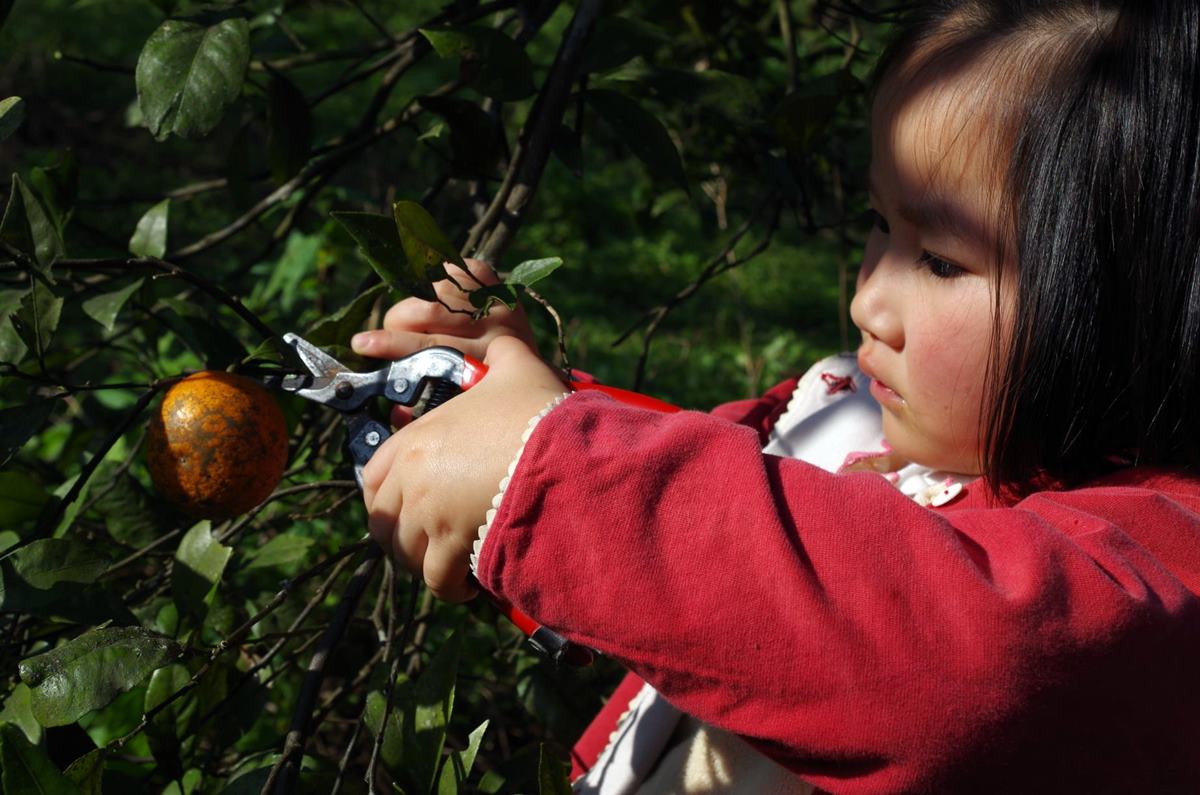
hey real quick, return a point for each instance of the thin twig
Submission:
(284, 775)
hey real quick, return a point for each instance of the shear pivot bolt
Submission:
(401, 384)
(372, 438)
(344, 391)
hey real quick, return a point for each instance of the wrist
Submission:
(497, 500)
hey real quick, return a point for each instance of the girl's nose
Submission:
(875, 308)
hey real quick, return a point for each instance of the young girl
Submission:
(967, 562)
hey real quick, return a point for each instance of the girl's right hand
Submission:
(414, 324)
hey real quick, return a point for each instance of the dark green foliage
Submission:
(186, 181)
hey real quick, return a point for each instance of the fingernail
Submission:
(361, 342)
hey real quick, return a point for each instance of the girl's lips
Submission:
(885, 394)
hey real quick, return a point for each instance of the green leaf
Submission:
(432, 705)
(12, 347)
(18, 712)
(57, 186)
(492, 63)
(290, 137)
(281, 551)
(416, 728)
(379, 241)
(88, 672)
(532, 271)
(199, 563)
(56, 577)
(553, 778)
(45, 229)
(88, 771)
(641, 131)
(21, 498)
(190, 70)
(104, 308)
(457, 767)
(805, 113)
(12, 113)
(37, 319)
(476, 137)
(25, 768)
(425, 245)
(617, 40)
(342, 324)
(150, 237)
(14, 226)
(131, 515)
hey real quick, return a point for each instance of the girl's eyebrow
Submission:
(939, 215)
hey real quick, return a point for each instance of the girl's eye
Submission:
(878, 221)
(938, 267)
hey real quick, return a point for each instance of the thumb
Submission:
(509, 360)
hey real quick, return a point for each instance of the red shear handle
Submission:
(475, 370)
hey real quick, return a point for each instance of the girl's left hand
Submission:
(429, 487)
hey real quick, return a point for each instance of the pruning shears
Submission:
(422, 381)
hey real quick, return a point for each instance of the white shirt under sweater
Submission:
(831, 419)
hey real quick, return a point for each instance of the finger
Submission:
(386, 344)
(447, 574)
(415, 314)
(377, 469)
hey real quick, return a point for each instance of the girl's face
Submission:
(925, 298)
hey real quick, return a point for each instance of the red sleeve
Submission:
(867, 643)
(759, 413)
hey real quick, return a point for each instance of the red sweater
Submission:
(864, 642)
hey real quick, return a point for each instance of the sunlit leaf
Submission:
(281, 551)
(90, 671)
(342, 324)
(425, 245)
(379, 241)
(457, 767)
(432, 706)
(641, 131)
(199, 563)
(25, 768)
(532, 271)
(190, 70)
(19, 713)
(12, 113)
(150, 237)
(416, 728)
(290, 136)
(494, 64)
(19, 423)
(105, 307)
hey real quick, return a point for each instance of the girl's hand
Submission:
(415, 324)
(429, 487)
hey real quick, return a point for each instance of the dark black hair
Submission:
(1102, 197)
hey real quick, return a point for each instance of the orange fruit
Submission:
(217, 445)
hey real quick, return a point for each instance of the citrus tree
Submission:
(190, 181)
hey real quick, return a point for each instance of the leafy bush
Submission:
(189, 181)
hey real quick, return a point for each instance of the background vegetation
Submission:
(698, 167)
